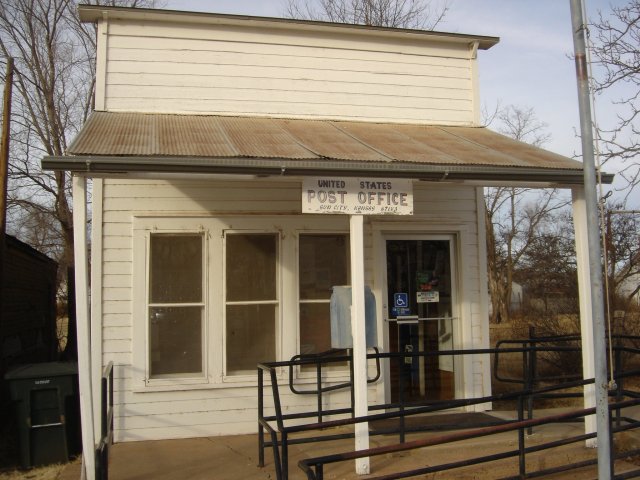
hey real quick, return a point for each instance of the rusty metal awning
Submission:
(135, 142)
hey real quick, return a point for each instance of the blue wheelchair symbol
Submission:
(400, 300)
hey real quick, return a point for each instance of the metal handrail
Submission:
(106, 423)
(337, 356)
(281, 456)
(313, 467)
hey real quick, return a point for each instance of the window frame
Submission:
(212, 227)
(278, 302)
(202, 304)
(143, 228)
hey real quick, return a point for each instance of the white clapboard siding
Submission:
(117, 346)
(110, 332)
(115, 281)
(224, 407)
(315, 46)
(440, 87)
(318, 80)
(202, 191)
(355, 42)
(117, 267)
(346, 101)
(218, 69)
(117, 320)
(113, 307)
(117, 242)
(178, 431)
(132, 404)
(117, 358)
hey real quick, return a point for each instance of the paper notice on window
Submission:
(428, 297)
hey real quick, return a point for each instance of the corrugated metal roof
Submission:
(200, 136)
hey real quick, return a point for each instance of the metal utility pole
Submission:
(595, 259)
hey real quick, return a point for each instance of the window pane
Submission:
(175, 269)
(251, 337)
(175, 340)
(323, 264)
(251, 267)
(315, 328)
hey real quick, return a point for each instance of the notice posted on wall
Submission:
(428, 297)
(357, 196)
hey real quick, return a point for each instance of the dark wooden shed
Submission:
(28, 317)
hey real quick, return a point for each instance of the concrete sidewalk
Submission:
(236, 457)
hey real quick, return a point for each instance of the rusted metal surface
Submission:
(261, 138)
(327, 140)
(522, 152)
(135, 134)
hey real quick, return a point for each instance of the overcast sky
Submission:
(530, 67)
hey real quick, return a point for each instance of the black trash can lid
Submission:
(39, 370)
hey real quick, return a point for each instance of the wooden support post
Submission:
(358, 333)
(584, 295)
(83, 326)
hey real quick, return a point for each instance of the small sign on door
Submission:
(428, 297)
(400, 304)
(401, 300)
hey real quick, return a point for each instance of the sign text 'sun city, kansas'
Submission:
(357, 196)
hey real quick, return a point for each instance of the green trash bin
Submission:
(47, 407)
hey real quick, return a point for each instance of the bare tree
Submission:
(420, 14)
(53, 92)
(622, 228)
(514, 217)
(616, 48)
(522, 124)
(548, 269)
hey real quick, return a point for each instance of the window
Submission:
(213, 297)
(323, 263)
(176, 305)
(251, 289)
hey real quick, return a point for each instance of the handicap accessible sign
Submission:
(400, 304)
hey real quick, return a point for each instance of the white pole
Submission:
(358, 334)
(584, 295)
(82, 323)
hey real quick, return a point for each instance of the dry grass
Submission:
(50, 472)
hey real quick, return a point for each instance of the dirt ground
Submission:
(50, 472)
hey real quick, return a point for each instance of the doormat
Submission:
(448, 421)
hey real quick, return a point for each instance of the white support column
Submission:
(95, 308)
(358, 334)
(584, 293)
(82, 323)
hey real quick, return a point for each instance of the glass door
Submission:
(420, 305)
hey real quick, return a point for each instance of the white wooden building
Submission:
(209, 133)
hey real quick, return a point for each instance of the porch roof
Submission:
(161, 143)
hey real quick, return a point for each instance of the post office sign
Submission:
(357, 196)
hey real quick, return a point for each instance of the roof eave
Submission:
(94, 13)
(105, 165)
